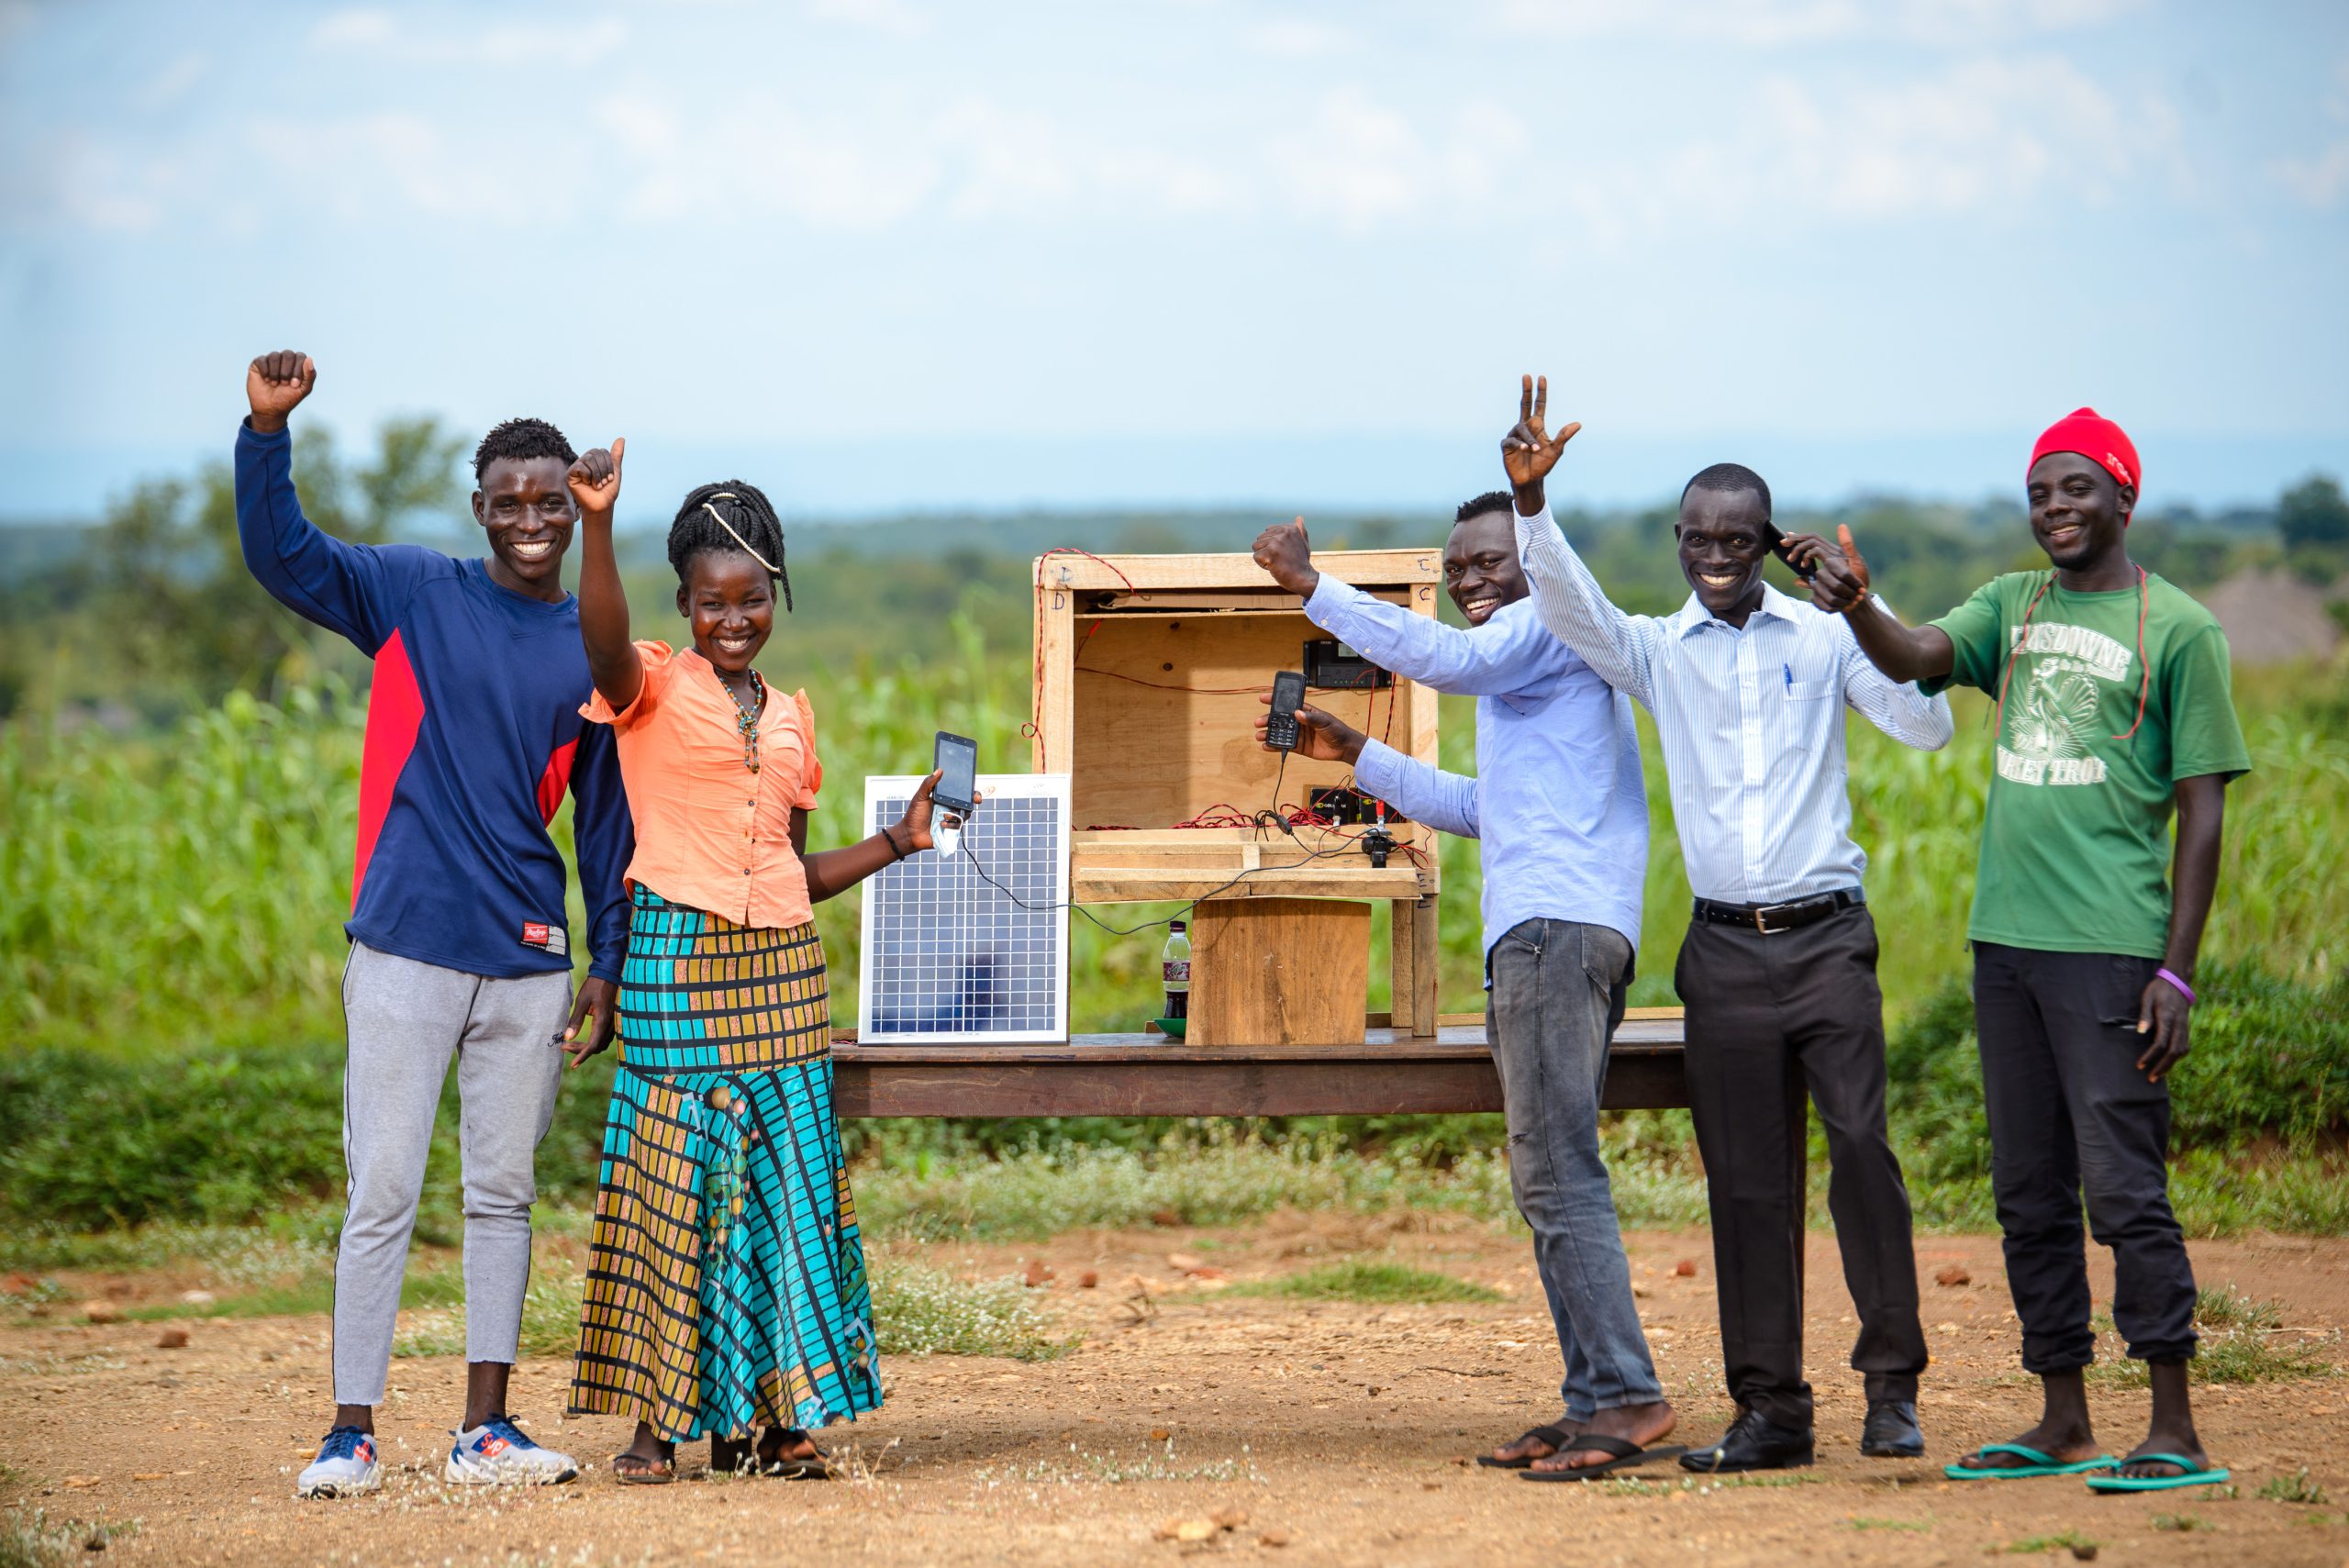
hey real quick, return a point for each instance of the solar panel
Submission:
(948, 956)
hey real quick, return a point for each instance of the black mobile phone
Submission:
(1288, 695)
(958, 773)
(1774, 537)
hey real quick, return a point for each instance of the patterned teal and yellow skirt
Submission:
(726, 1285)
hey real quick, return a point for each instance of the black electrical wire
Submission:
(1272, 817)
(1347, 848)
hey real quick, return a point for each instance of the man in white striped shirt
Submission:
(1777, 972)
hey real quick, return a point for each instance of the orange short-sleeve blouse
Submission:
(709, 832)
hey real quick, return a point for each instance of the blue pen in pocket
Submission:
(1790, 676)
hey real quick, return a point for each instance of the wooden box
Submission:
(1150, 672)
(1279, 971)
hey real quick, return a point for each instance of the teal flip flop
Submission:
(2189, 1474)
(2034, 1464)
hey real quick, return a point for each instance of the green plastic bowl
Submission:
(1173, 1028)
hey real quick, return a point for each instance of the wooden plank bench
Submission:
(1391, 1073)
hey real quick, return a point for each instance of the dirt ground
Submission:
(1320, 1432)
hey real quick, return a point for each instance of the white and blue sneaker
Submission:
(345, 1466)
(496, 1453)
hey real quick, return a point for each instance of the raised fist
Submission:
(1283, 550)
(594, 477)
(275, 383)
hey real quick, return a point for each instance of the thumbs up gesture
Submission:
(1285, 553)
(594, 478)
(1841, 584)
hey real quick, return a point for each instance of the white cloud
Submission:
(1297, 37)
(971, 160)
(380, 36)
(1979, 139)
(354, 30)
(2321, 181)
(1983, 134)
(1366, 163)
(896, 18)
(98, 186)
(1775, 23)
(171, 84)
(765, 159)
(365, 168)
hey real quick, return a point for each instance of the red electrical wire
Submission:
(1035, 724)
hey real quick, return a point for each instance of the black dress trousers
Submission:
(1771, 1019)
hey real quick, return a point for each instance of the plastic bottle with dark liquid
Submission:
(1174, 964)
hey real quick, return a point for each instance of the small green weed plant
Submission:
(1369, 1280)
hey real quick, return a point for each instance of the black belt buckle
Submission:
(1763, 912)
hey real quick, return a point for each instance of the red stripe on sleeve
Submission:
(555, 780)
(395, 713)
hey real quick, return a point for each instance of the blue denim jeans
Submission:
(1557, 994)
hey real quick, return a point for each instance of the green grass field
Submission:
(185, 891)
(170, 945)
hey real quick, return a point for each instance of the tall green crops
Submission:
(173, 892)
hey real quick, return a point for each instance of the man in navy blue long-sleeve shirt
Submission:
(460, 943)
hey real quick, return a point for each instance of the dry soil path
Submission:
(1319, 1432)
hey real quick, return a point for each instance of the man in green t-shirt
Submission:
(2113, 710)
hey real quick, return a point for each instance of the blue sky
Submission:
(877, 253)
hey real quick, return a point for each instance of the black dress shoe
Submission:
(1753, 1443)
(1892, 1432)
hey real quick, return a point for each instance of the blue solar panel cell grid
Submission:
(948, 955)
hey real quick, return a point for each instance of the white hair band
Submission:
(772, 571)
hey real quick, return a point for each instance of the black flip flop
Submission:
(635, 1469)
(1556, 1436)
(1626, 1456)
(726, 1458)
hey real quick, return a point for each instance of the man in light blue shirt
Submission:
(1561, 814)
(1777, 972)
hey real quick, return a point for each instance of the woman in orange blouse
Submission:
(726, 1285)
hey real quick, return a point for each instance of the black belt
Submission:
(1771, 918)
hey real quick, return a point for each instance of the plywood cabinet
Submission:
(1150, 672)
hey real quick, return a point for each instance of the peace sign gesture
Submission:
(1529, 451)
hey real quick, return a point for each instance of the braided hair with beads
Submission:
(730, 517)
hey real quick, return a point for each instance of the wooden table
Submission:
(1147, 1075)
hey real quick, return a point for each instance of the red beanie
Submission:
(2094, 438)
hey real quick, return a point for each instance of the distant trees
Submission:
(159, 611)
(151, 612)
(2312, 519)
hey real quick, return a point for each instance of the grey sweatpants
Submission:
(406, 1019)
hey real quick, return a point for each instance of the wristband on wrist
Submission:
(891, 834)
(2183, 988)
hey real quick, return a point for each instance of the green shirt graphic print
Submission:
(2075, 840)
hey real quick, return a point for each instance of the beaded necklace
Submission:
(746, 719)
